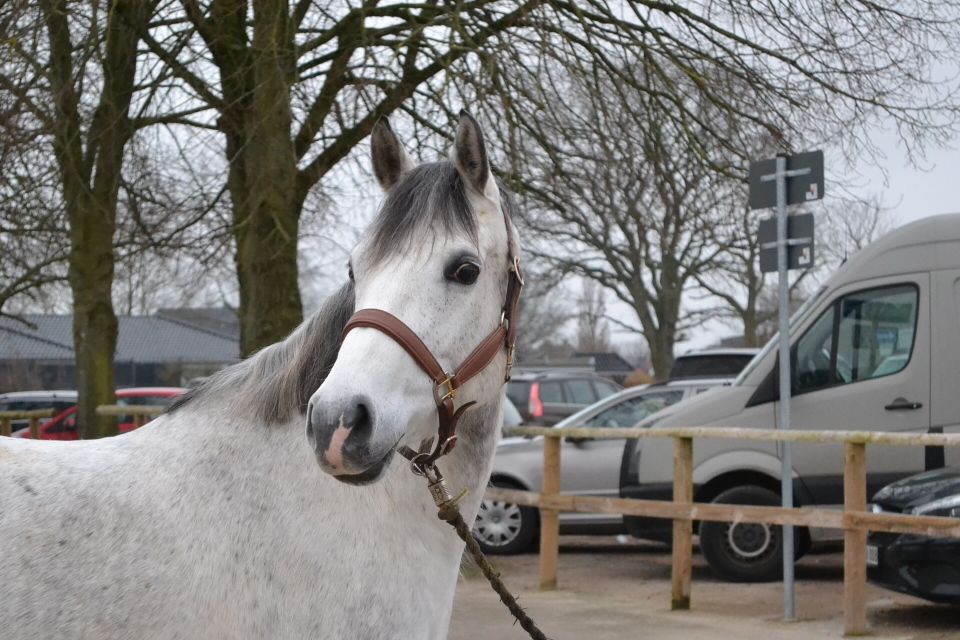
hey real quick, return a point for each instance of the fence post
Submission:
(139, 420)
(854, 540)
(5, 427)
(35, 428)
(550, 518)
(682, 529)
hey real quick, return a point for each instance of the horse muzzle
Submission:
(344, 439)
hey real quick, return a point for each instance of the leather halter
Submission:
(446, 384)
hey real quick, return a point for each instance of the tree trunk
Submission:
(90, 179)
(751, 328)
(94, 323)
(661, 355)
(263, 171)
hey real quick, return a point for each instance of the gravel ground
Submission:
(611, 591)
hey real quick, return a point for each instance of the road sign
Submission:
(799, 242)
(804, 180)
(786, 242)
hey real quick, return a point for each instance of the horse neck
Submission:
(393, 534)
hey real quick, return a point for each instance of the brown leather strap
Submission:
(481, 356)
(402, 334)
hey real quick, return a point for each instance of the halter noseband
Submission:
(447, 384)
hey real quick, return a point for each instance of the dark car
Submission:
(711, 363)
(546, 398)
(925, 567)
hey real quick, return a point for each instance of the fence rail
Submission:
(854, 519)
(34, 416)
(140, 412)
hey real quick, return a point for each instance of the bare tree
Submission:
(544, 316)
(75, 68)
(593, 330)
(631, 211)
(747, 296)
(289, 91)
(296, 88)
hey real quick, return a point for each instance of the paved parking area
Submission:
(610, 590)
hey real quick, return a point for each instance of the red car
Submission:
(63, 426)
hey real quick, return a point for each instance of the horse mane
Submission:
(280, 379)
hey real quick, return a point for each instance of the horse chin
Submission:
(369, 475)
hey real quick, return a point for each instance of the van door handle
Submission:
(902, 404)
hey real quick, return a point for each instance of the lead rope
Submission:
(448, 510)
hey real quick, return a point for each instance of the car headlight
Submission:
(948, 507)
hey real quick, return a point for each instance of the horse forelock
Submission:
(276, 383)
(432, 195)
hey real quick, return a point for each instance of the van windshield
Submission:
(797, 317)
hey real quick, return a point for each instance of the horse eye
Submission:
(466, 273)
(350, 271)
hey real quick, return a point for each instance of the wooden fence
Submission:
(34, 416)
(140, 412)
(854, 519)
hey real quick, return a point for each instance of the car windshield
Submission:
(578, 418)
(797, 317)
(629, 411)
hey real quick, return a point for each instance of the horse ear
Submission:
(390, 159)
(470, 156)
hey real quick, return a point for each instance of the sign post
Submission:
(780, 182)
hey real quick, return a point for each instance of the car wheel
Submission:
(744, 551)
(503, 528)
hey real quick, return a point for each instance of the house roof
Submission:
(141, 339)
(219, 320)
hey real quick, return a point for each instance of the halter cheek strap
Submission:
(446, 385)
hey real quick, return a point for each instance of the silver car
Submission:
(589, 467)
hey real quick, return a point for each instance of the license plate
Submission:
(873, 556)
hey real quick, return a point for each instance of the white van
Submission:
(877, 348)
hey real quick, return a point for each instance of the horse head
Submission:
(438, 263)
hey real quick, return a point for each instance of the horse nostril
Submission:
(357, 419)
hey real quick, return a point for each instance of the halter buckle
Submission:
(451, 389)
(515, 269)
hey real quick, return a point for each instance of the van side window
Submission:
(864, 335)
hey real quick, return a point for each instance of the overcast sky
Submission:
(915, 192)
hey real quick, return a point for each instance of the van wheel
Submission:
(502, 528)
(745, 552)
